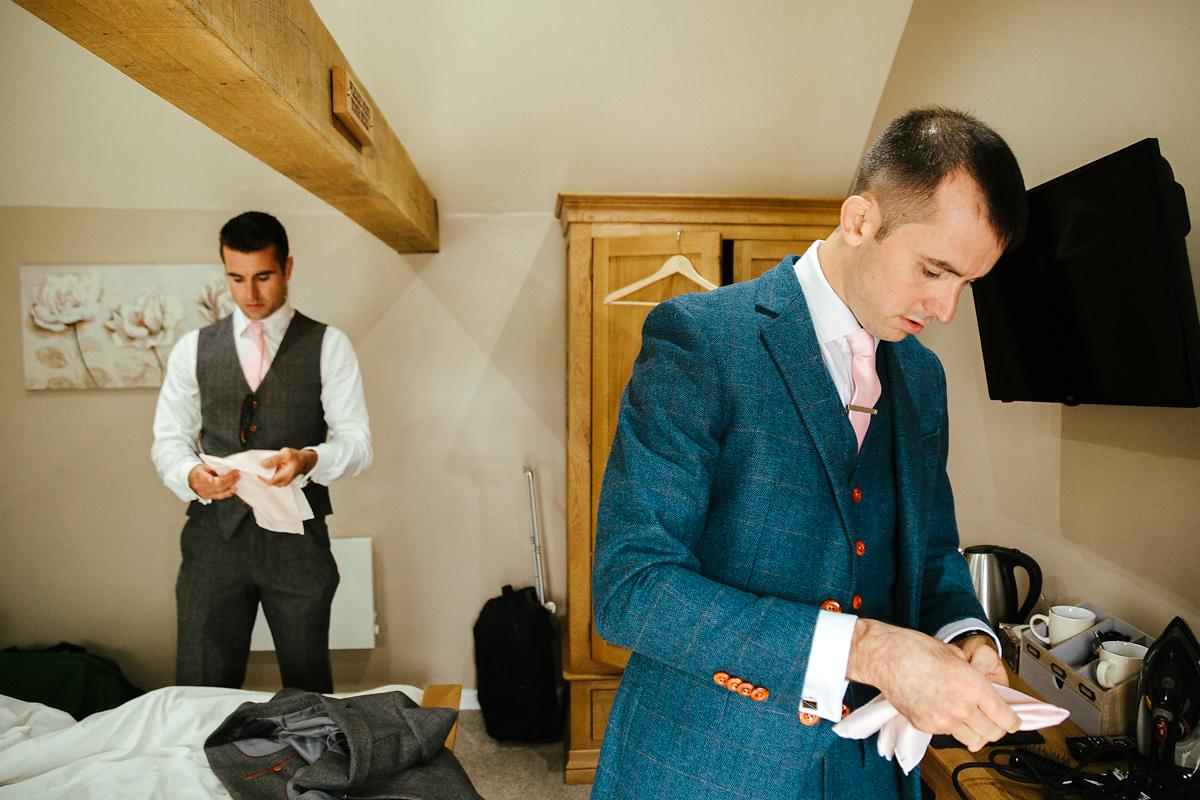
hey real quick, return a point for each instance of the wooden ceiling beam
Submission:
(258, 73)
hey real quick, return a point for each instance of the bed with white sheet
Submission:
(150, 747)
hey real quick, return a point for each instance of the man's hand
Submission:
(208, 485)
(290, 463)
(931, 683)
(980, 650)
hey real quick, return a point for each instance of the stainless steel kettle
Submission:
(991, 568)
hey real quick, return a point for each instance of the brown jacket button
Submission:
(759, 694)
(860, 548)
(733, 683)
(856, 602)
(746, 689)
(809, 719)
(845, 710)
(856, 494)
(719, 678)
(831, 605)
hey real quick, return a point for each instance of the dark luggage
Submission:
(65, 676)
(516, 664)
(515, 668)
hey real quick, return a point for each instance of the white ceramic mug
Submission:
(1062, 623)
(1119, 661)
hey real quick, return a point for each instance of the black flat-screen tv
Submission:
(1097, 305)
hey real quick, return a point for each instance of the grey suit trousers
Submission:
(222, 581)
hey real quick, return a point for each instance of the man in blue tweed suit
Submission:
(767, 572)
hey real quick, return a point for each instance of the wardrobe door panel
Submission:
(753, 257)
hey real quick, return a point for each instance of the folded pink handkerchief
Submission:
(276, 508)
(898, 737)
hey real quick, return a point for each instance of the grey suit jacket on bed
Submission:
(369, 746)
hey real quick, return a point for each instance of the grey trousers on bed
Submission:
(222, 581)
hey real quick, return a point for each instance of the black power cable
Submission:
(1062, 782)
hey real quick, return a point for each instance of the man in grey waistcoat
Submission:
(264, 377)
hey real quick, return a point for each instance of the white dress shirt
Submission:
(825, 677)
(347, 446)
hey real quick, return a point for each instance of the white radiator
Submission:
(352, 618)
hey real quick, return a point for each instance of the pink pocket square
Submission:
(898, 737)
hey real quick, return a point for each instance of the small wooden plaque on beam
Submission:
(351, 106)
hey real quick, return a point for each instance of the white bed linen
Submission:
(150, 747)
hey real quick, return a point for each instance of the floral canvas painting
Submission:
(112, 327)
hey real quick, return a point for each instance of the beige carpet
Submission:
(511, 771)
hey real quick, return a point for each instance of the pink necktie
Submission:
(865, 381)
(257, 361)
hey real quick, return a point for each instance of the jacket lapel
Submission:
(915, 459)
(788, 335)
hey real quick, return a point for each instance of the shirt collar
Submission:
(832, 319)
(274, 326)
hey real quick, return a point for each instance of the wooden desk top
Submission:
(445, 695)
(982, 784)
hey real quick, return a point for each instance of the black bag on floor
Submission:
(65, 676)
(515, 668)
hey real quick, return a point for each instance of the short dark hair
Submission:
(920, 148)
(252, 231)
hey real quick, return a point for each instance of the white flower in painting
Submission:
(145, 320)
(65, 299)
(215, 301)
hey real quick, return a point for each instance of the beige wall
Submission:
(80, 134)
(1106, 498)
(462, 356)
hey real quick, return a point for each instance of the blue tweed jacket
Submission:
(723, 524)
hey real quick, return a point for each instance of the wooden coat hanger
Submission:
(678, 264)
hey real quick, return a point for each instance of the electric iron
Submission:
(1168, 720)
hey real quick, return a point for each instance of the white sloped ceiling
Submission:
(501, 105)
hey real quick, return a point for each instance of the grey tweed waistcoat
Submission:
(285, 411)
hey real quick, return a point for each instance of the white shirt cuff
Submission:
(182, 488)
(825, 677)
(970, 625)
(318, 474)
